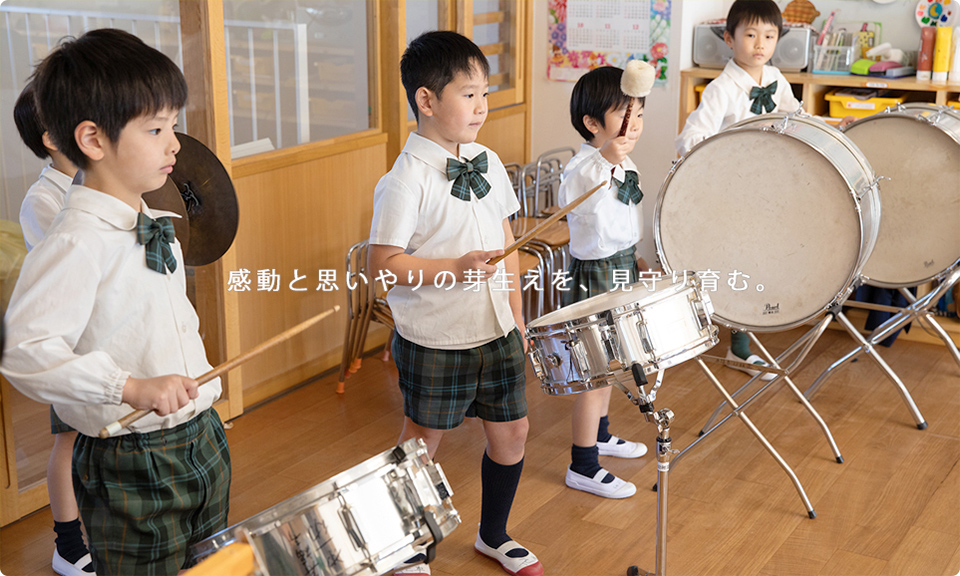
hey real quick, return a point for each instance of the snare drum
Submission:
(657, 323)
(367, 520)
(916, 146)
(777, 214)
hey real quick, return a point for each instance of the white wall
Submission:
(654, 153)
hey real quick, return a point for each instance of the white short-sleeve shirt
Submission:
(726, 101)
(413, 209)
(87, 313)
(43, 202)
(602, 225)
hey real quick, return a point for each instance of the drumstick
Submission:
(132, 417)
(554, 218)
(636, 82)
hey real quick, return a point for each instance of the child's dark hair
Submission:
(27, 119)
(749, 11)
(109, 77)
(596, 93)
(433, 59)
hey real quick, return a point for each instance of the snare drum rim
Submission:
(948, 123)
(870, 192)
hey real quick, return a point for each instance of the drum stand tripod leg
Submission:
(872, 353)
(766, 444)
(918, 307)
(813, 412)
(929, 318)
(662, 418)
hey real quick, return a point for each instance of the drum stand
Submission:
(665, 453)
(918, 310)
(801, 347)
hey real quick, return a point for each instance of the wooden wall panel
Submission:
(301, 217)
(503, 133)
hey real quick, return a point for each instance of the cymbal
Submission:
(168, 198)
(210, 200)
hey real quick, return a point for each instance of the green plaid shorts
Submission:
(442, 387)
(593, 277)
(58, 426)
(145, 498)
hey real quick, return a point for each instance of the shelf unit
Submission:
(810, 89)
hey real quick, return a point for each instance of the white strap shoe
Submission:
(527, 565)
(619, 488)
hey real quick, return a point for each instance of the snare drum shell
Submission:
(915, 148)
(316, 527)
(777, 214)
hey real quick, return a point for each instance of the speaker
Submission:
(792, 54)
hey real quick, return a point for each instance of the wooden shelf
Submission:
(814, 86)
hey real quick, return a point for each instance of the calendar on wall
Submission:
(587, 34)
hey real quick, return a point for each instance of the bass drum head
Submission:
(764, 205)
(919, 234)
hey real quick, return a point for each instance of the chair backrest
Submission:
(515, 172)
(541, 180)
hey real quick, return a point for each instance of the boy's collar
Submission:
(743, 79)
(435, 155)
(111, 210)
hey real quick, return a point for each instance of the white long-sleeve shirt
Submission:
(43, 202)
(87, 313)
(726, 101)
(602, 225)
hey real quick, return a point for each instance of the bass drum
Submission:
(777, 215)
(916, 146)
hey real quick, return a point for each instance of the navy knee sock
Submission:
(499, 487)
(70, 542)
(586, 461)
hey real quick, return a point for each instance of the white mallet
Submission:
(637, 81)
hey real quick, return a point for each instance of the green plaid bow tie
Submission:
(629, 189)
(467, 176)
(157, 235)
(763, 98)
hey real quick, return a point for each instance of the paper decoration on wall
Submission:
(587, 34)
(936, 12)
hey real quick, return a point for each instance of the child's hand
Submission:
(476, 260)
(163, 394)
(616, 149)
(847, 120)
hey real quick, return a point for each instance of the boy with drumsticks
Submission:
(43, 202)
(604, 231)
(745, 88)
(440, 214)
(99, 322)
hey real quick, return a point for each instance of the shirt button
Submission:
(183, 327)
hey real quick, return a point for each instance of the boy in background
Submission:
(746, 87)
(443, 209)
(43, 202)
(99, 322)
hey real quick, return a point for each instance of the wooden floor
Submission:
(893, 506)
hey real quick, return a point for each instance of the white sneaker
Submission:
(619, 488)
(753, 359)
(626, 450)
(64, 568)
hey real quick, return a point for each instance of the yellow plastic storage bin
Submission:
(954, 104)
(848, 102)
